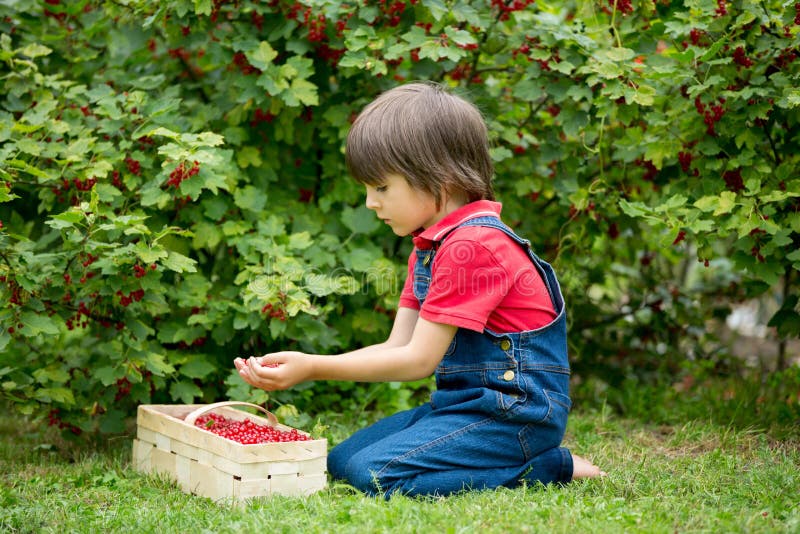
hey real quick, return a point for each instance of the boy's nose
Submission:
(371, 203)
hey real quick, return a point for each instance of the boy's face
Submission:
(400, 206)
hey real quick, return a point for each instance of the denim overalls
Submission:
(497, 417)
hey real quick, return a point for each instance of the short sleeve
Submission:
(407, 298)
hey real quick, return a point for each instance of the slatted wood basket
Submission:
(205, 464)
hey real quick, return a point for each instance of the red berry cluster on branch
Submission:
(733, 180)
(278, 313)
(13, 287)
(786, 57)
(261, 116)
(722, 8)
(510, 6)
(123, 389)
(317, 25)
(650, 170)
(533, 42)
(134, 167)
(90, 259)
(139, 271)
(623, 6)
(182, 172)
(712, 113)
(215, 8)
(179, 53)
(685, 160)
(757, 233)
(740, 57)
(240, 61)
(53, 419)
(115, 179)
(134, 296)
(77, 183)
(77, 320)
(460, 72)
(393, 12)
(247, 432)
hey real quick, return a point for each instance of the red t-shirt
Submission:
(480, 277)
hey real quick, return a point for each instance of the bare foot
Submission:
(582, 468)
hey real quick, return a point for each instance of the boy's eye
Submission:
(381, 188)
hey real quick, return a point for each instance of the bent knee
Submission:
(358, 471)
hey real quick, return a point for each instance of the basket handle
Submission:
(192, 417)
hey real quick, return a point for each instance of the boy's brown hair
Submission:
(435, 140)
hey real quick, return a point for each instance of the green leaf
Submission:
(707, 203)
(301, 92)
(27, 168)
(644, 95)
(51, 374)
(358, 259)
(58, 395)
(198, 367)
(35, 324)
(322, 285)
(634, 209)
(203, 7)
(150, 253)
(300, 241)
(29, 146)
(262, 56)
(620, 54)
(768, 271)
(35, 50)
(185, 391)
(437, 8)
(712, 50)
(360, 220)
(108, 374)
(155, 364)
(352, 59)
(528, 90)
(727, 200)
(248, 156)
(790, 99)
(179, 263)
(139, 329)
(250, 198)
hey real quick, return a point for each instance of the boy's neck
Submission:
(450, 203)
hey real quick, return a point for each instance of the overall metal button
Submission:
(508, 376)
(505, 344)
(426, 260)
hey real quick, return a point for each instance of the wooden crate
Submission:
(209, 465)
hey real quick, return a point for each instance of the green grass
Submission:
(697, 476)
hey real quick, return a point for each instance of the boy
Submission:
(478, 309)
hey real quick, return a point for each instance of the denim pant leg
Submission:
(340, 455)
(446, 452)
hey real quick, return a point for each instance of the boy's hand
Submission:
(279, 370)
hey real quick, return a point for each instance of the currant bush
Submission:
(173, 192)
